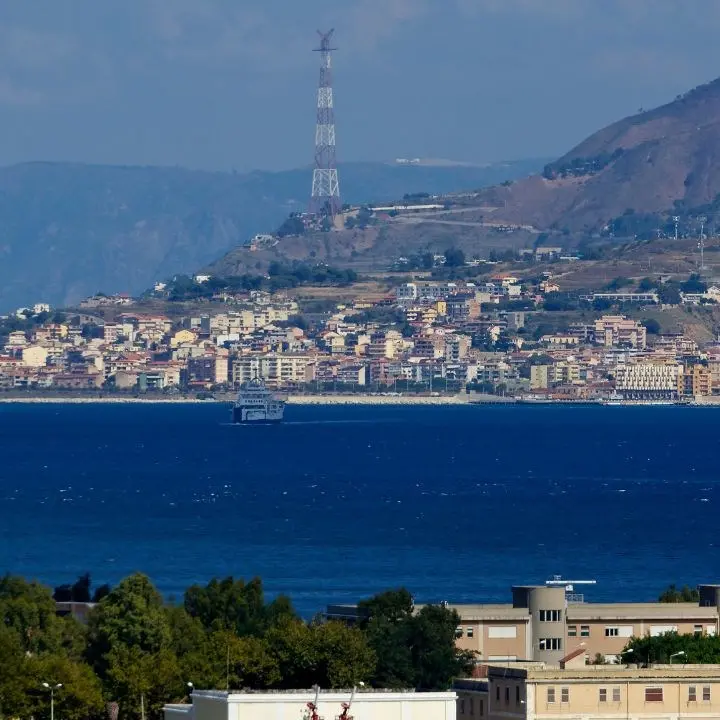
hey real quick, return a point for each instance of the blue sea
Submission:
(455, 503)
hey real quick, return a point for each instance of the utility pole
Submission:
(325, 197)
(701, 243)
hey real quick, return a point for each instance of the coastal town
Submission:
(504, 338)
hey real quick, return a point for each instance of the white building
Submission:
(293, 705)
(647, 381)
(407, 292)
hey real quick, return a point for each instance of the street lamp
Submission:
(190, 687)
(52, 689)
(677, 654)
(627, 652)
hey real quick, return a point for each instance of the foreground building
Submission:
(662, 692)
(293, 705)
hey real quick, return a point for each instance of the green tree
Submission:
(694, 284)
(454, 257)
(330, 654)
(131, 615)
(672, 594)
(28, 609)
(136, 678)
(79, 697)
(669, 294)
(435, 656)
(652, 326)
(230, 604)
(694, 649)
(646, 284)
(412, 649)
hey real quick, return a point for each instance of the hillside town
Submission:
(486, 340)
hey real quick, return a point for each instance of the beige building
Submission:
(544, 623)
(34, 356)
(275, 369)
(619, 331)
(293, 705)
(537, 692)
(693, 381)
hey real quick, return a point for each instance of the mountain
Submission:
(71, 230)
(653, 162)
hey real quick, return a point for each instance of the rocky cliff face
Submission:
(651, 162)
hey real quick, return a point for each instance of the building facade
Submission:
(292, 705)
(539, 692)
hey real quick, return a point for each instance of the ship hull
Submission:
(254, 418)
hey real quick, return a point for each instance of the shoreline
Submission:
(348, 400)
(292, 400)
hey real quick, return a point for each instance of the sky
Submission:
(230, 84)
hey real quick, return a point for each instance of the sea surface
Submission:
(455, 503)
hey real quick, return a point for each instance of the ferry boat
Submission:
(255, 404)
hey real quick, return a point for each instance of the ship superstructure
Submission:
(255, 404)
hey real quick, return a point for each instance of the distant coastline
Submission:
(344, 399)
(338, 399)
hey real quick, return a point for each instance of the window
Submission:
(551, 695)
(603, 695)
(706, 693)
(462, 706)
(550, 615)
(458, 632)
(550, 644)
(517, 694)
(616, 694)
(472, 706)
(469, 632)
(653, 694)
(502, 631)
(507, 695)
(564, 695)
(584, 631)
(612, 632)
(572, 630)
(497, 693)
(692, 694)
(698, 629)
(482, 706)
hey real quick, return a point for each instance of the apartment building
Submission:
(275, 369)
(535, 691)
(619, 331)
(693, 381)
(648, 380)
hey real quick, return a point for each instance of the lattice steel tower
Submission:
(325, 198)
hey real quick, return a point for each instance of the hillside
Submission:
(651, 162)
(374, 248)
(70, 230)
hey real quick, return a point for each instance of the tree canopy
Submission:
(138, 650)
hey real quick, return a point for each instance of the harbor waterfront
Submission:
(457, 503)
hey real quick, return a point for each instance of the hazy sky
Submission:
(225, 84)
